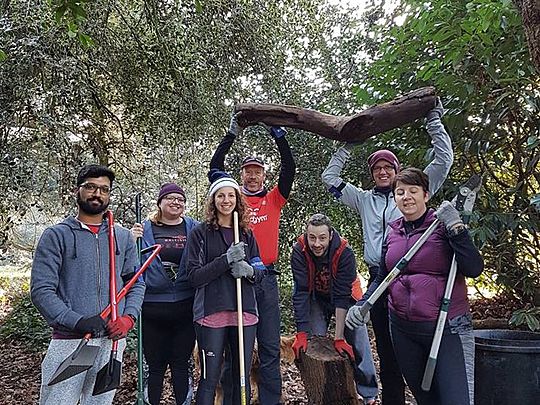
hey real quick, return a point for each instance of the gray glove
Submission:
(354, 318)
(437, 112)
(234, 127)
(236, 253)
(448, 215)
(242, 269)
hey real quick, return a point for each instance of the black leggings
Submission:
(168, 340)
(212, 343)
(412, 343)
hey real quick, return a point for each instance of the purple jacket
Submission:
(416, 293)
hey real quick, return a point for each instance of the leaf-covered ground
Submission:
(20, 366)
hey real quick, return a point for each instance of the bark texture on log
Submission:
(328, 378)
(530, 13)
(354, 128)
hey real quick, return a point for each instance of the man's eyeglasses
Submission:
(171, 199)
(386, 168)
(92, 187)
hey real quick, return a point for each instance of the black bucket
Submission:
(507, 369)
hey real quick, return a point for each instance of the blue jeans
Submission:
(268, 344)
(365, 374)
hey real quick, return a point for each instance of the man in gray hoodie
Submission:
(70, 287)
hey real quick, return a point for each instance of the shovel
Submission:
(108, 378)
(83, 356)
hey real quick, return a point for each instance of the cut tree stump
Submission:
(353, 128)
(328, 378)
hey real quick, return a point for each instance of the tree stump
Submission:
(354, 128)
(328, 378)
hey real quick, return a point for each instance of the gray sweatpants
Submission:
(79, 387)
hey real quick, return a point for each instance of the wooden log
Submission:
(354, 128)
(328, 378)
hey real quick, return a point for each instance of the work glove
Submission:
(300, 344)
(437, 112)
(278, 132)
(234, 126)
(448, 215)
(94, 325)
(343, 348)
(242, 269)
(119, 329)
(354, 318)
(236, 253)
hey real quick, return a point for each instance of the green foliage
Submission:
(475, 54)
(25, 324)
(529, 317)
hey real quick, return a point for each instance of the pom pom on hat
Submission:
(220, 179)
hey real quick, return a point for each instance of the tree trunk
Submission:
(354, 128)
(328, 378)
(530, 14)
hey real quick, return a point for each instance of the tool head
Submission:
(108, 378)
(80, 360)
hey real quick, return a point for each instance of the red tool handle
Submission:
(112, 273)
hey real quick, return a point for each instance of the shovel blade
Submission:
(78, 362)
(108, 378)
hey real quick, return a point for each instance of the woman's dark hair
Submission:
(241, 208)
(412, 177)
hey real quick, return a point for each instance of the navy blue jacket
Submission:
(159, 286)
(209, 272)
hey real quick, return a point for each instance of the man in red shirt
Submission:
(265, 211)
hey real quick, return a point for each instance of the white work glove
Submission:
(448, 215)
(236, 253)
(354, 318)
(234, 127)
(437, 112)
(242, 269)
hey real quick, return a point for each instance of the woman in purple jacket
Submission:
(414, 298)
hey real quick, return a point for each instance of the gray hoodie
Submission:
(377, 209)
(70, 273)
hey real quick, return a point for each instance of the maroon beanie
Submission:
(169, 188)
(383, 154)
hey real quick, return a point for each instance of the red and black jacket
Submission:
(345, 287)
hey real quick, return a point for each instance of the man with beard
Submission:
(70, 287)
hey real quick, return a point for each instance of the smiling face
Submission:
(411, 200)
(172, 206)
(383, 173)
(225, 202)
(318, 239)
(91, 197)
(253, 177)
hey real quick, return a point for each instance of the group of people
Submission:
(189, 292)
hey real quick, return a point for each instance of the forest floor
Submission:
(20, 365)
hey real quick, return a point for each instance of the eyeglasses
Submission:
(171, 199)
(92, 187)
(386, 168)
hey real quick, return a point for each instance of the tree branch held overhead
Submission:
(354, 128)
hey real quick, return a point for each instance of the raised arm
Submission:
(218, 159)
(439, 167)
(288, 166)
(345, 192)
